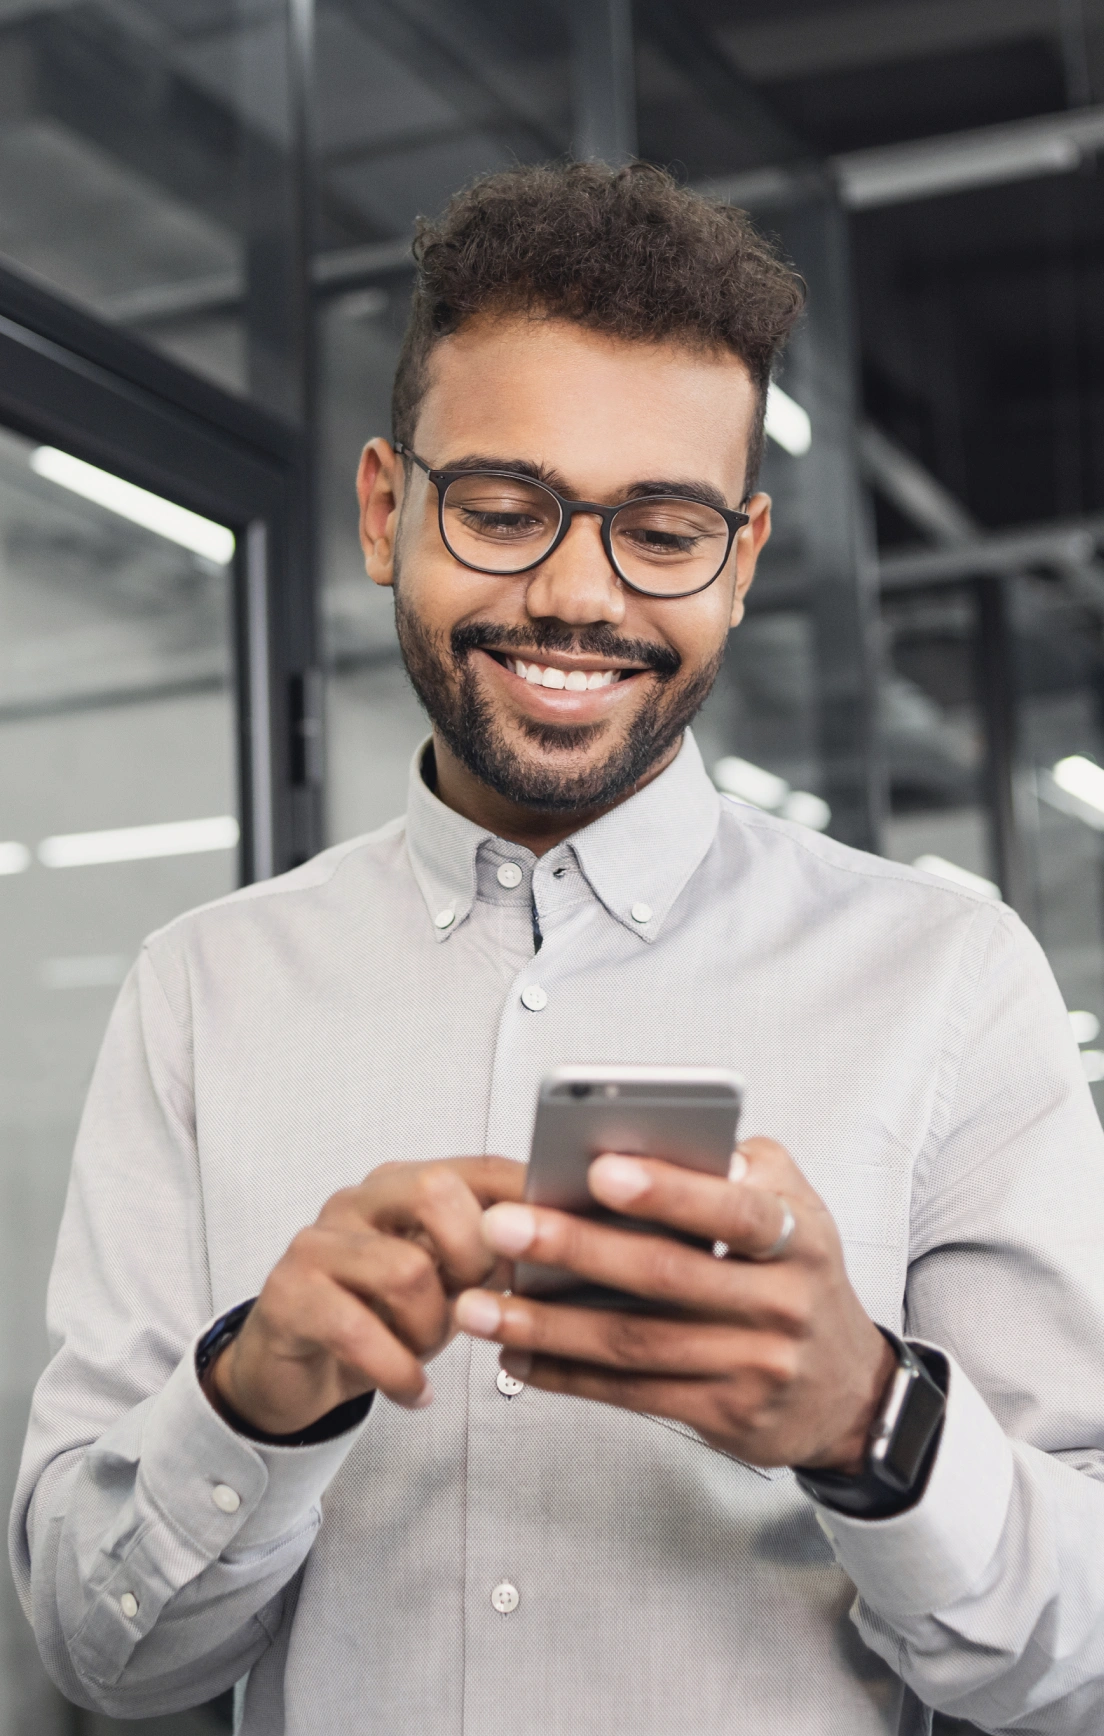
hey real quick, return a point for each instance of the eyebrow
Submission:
(686, 488)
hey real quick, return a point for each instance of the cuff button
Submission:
(128, 1603)
(227, 1500)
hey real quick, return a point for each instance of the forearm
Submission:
(149, 1589)
(988, 1596)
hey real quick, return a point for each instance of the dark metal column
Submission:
(997, 694)
(281, 349)
(604, 81)
(839, 554)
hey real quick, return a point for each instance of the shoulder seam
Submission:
(760, 821)
(277, 887)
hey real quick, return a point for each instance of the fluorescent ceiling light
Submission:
(762, 789)
(787, 424)
(1082, 778)
(139, 843)
(944, 870)
(164, 517)
(1085, 1026)
(14, 858)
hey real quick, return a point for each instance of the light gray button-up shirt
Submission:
(517, 1563)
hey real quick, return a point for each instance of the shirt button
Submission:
(444, 919)
(641, 913)
(128, 1603)
(227, 1500)
(507, 1385)
(510, 874)
(534, 997)
(505, 1598)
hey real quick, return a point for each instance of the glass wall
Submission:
(118, 804)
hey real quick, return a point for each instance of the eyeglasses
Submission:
(497, 521)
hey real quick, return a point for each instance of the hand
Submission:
(776, 1362)
(365, 1296)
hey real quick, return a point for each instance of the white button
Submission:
(445, 918)
(226, 1499)
(641, 913)
(534, 997)
(128, 1603)
(505, 1597)
(510, 874)
(507, 1385)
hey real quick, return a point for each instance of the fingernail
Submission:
(478, 1313)
(737, 1169)
(508, 1228)
(619, 1179)
(519, 1363)
(424, 1398)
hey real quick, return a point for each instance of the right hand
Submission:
(363, 1298)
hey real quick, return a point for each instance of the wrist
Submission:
(216, 1358)
(902, 1443)
(846, 1455)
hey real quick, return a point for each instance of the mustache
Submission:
(597, 641)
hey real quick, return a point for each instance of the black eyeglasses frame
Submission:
(441, 480)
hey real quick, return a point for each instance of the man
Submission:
(604, 1531)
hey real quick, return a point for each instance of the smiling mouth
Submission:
(549, 675)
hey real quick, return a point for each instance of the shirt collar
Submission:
(637, 858)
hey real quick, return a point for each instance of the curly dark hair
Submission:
(626, 251)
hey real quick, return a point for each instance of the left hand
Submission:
(774, 1361)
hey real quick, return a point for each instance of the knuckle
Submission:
(409, 1266)
(628, 1339)
(667, 1269)
(434, 1185)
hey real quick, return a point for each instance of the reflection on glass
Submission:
(117, 811)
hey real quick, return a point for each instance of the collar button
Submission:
(641, 913)
(444, 919)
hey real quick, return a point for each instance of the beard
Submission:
(441, 674)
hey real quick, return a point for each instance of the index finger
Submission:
(441, 1205)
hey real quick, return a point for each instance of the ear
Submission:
(750, 539)
(379, 491)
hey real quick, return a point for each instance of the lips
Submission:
(574, 680)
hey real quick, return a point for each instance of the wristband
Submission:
(326, 1428)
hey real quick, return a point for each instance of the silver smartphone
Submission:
(686, 1115)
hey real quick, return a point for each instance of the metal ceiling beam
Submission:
(925, 168)
(852, 38)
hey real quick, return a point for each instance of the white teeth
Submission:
(577, 681)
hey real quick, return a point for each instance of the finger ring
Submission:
(782, 1240)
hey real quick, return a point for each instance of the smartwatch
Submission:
(902, 1443)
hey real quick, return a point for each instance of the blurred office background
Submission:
(205, 216)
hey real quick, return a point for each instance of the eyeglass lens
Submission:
(503, 524)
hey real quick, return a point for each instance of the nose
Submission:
(576, 583)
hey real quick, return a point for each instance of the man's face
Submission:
(598, 417)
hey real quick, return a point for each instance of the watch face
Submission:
(920, 1414)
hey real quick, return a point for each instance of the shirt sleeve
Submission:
(153, 1547)
(988, 1595)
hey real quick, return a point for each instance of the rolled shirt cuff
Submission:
(923, 1560)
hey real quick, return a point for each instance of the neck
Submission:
(537, 830)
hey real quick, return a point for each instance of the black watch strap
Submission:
(902, 1445)
(327, 1428)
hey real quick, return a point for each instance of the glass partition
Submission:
(118, 810)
